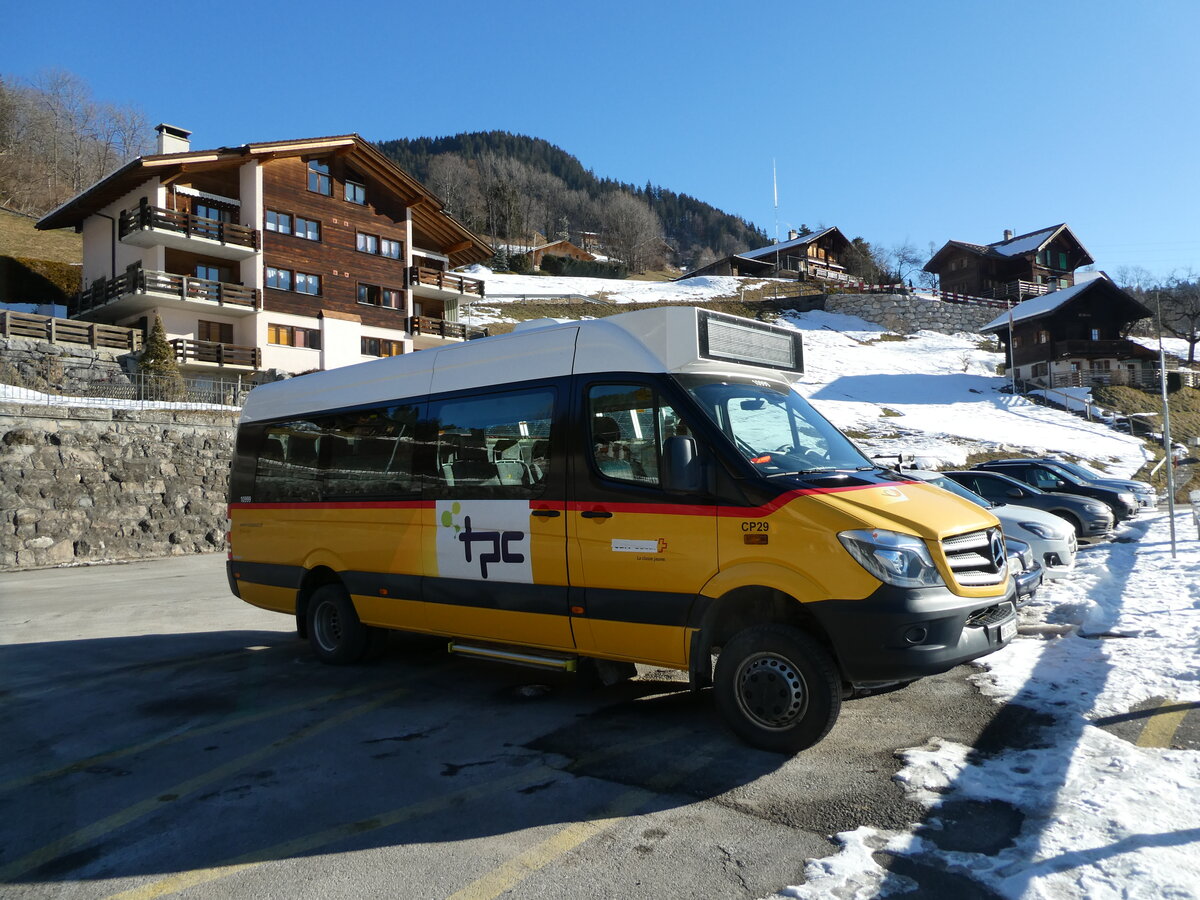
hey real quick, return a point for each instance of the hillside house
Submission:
(290, 255)
(817, 256)
(1074, 337)
(1018, 267)
(557, 248)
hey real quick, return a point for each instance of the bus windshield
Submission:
(772, 426)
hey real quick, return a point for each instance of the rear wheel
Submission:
(777, 688)
(334, 630)
(1075, 523)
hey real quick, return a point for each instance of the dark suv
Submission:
(1146, 496)
(1091, 518)
(1056, 480)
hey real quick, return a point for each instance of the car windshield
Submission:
(772, 426)
(1080, 470)
(1067, 476)
(949, 484)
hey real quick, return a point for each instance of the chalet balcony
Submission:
(191, 353)
(1018, 291)
(434, 283)
(136, 290)
(153, 226)
(1081, 349)
(428, 332)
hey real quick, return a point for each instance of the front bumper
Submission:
(899, 634)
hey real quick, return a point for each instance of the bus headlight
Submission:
(893, 558)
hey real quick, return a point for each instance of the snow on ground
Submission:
(499, 287)
(939, 391)
(1104, 818)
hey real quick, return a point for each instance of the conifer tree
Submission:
(158, 362)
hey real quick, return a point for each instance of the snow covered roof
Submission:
(1048, 303)
(784, 246)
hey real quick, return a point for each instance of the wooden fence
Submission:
(69, 331)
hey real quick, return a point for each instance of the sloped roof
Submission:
(1037, 307)
(1019, 245)
(428, 211)
(801, 241)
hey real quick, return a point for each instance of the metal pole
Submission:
(1162, 372)
(1012, 355)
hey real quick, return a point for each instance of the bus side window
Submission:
(628, 426)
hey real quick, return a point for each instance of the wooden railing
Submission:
(444, 281)
(188, 225)
(68, 331)
(423, 325)
(1083, 349)
(1018, 290)
(189, 350)
(185, 287)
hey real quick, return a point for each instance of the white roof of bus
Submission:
(650, 340)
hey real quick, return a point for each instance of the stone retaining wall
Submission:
(88, 485)
(62, 367)
(905, 314)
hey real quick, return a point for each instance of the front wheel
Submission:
(334, 630)
(777, 688)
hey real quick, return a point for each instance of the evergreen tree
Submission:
(158, 362)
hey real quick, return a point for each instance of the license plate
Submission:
(1008, 630)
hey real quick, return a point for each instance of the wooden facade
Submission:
(1017, 267)
(310, 254)
(1075, 336)
(817, 256)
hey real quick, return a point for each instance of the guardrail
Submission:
(69, 331)
(139, 391)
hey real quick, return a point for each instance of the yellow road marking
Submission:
(1159, 729)
(182, 734)
(80, 838)
(517, 869)
(432, 806)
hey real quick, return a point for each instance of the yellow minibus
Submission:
(644, 488)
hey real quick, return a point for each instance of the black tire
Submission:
(1075, 523)
(334, 630)
(777, 688)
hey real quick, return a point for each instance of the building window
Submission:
(208, 211)
(370, 293)
(1095, 334)
(221, 332)
(294, 336)
(308, 284)
(1043, 337)
(356, 191)
(392, 298)
(309, 229)
(212, 273)
(391, 249)
(280, 279)
(366, 243)
(319, 181)
(278, 222)
(372, 346)
(1016, 341)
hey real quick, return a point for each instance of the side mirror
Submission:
(1015, 492)
(685, 472)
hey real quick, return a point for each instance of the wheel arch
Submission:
(313, 578)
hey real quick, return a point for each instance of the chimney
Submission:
(172, 139)
(793, 234)
(1008, 234)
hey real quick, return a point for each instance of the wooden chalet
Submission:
(817, 256)
(290, 255)
(1018, 267)
(1074, 337)
(557, 248)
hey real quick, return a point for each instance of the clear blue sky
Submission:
(893, 119)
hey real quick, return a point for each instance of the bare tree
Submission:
(631, 230)
(904, 260)
(1180, 303)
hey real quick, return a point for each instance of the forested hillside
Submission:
(508, 186)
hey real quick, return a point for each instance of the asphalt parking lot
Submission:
(164, 737)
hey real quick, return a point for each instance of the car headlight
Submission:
(1126, 497)
(893, 558)
(1045, 532)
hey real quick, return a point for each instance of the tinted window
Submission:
(494, 446)
(627, 424)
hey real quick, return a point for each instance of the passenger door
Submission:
(495, 546)
(639, 554)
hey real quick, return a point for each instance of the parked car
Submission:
(1059, 481)
(1090, 518)
(1050, 537)
(1146, 496)
(1023, 569)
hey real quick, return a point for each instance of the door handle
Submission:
(596, 514)
(545, 513)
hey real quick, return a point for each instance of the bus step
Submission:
(542, 660)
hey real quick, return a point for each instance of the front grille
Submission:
(973, 557)
(993, 615)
